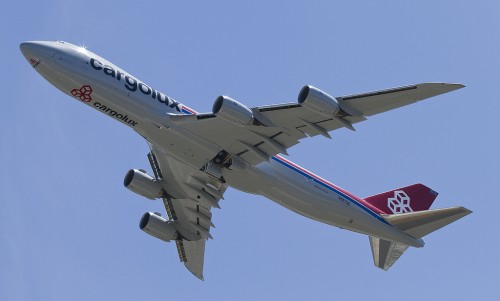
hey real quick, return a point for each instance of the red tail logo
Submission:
(412, 198)
(400, 203)
(83, 93)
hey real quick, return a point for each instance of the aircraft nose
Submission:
(31, 48)
(26, 46)
(34, 51)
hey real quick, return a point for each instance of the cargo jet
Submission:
(195, 157)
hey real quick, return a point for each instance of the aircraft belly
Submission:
(294, 193)
(300, 195)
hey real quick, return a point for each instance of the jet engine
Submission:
(143, 184)
(318, 101)
(232, 111)
(157, 226)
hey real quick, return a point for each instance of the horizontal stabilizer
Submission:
(419, 224)
(386, 253)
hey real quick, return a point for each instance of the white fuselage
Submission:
(116, 93)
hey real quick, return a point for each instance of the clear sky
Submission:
(69, 230)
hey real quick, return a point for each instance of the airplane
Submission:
(195, 156)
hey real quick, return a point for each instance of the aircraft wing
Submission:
(282, 126)
(191, 194)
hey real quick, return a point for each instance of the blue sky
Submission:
(69, 230)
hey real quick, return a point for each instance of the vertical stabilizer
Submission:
(416, 197)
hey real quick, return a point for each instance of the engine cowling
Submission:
(143, 184)
(318, 101)
(232, 111)
(158, 227)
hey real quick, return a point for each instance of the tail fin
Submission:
(416, 197)
(416, 224)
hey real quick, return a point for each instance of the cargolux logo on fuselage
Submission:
(133, 84)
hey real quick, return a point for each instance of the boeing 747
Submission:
(195, 156)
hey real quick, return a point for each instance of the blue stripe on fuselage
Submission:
(353, 201)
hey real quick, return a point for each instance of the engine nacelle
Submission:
(232, 111)
(158, 227)
(318, 101)
(143, 184)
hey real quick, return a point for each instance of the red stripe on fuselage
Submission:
(335, 187)
(189, 110)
